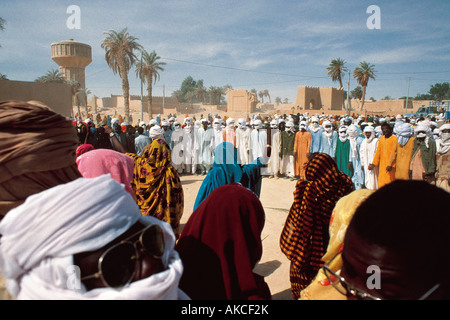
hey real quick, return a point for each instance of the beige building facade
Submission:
(240, 100)
(57, 96)
(323, 98)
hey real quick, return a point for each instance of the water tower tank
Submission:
(72, 58)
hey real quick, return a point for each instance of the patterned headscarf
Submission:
(305, 237)
(157, 185)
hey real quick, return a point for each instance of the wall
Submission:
(324, 98)
(57, 96)
(240, 100)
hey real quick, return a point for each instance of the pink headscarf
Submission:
(102, 161)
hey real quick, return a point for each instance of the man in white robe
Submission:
(243, 141)
(205, 147)
(218, 132)
(274, 160)
(188, 145)
(177, 147)
(367, 152)
(258, 141)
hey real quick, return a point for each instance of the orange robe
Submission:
(381, 159)
(401, 159)
(302, 145)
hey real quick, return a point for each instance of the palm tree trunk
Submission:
(126, 96)
(363, 97)
(340, 83)
(149, 94)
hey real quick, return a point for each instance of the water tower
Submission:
(72, 58)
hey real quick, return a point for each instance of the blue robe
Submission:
(328, 147)
(315, 140)
(226, 170)
(358, 173)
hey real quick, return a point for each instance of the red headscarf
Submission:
(83, 148)
(221, 244)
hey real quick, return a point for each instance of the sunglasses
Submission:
(347, 289)
(117, 265)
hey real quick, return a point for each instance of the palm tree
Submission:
(261, 95)
(119, 55)
(3, 76)
(362, 74)
(277, 100)
(81, 96)
(53, 76)
(266, 94)
(336, 70)
(200, 91)
(148, 71)
(2, 25)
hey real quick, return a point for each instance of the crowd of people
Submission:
(372, 151)
(92, 211)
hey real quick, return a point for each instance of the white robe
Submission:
(218, 137)
(188, 147)
(243, 144)
(274, 161)
(177, 149)
(204, 144)
(258, 143)
(367, 152)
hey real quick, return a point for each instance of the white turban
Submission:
(187, 120)
(404, 132)
(230, 122)
(40, 237)
(372, 133)
(165, 123)
(343, 136)
(353, 134)
(258, 124)
(152, 122)
(443, 145)
(156, 132)
(421, 131)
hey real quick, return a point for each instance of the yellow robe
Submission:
(401, 159)
(381, 159)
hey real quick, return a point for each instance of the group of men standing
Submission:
(373, 153)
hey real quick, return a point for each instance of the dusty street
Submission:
(276, 198)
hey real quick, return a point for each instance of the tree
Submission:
(81, 99)
(356, 93)
(261, 95)
(2, 25)
(3, 76)
(277, 100)
(266, 94)
(362, 74)
(200, 91)
(440, 91)
(119, 55)
(148, 71)
(52, 76)
(336, 70)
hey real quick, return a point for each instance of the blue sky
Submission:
(261, 44)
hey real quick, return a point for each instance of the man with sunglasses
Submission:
(64, 244)
(423, 158)
(394, 249)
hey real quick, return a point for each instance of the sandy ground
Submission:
(276, 198)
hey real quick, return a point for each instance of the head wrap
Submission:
(443, 145)
(227, 169)
(37, 151)
(102, 161)
(404, 132)
(343, 136)
(219, 251)
(230, 122)
(83, 148)
(40, 237)
(156, 132)
(305, 234)
(372, 133)
(321, 288)
(258, 124)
